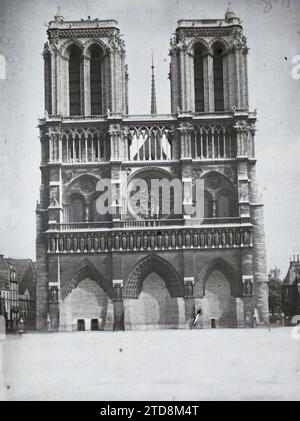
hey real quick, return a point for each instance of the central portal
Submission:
(154, 308)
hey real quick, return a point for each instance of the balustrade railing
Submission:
(213, 142)
(145, 223)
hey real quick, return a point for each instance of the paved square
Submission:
(216, 364)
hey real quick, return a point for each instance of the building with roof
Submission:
(144, 266)
(27, 292)
(291, 290)
(9, 293)
(18, 293)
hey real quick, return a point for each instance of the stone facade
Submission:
(156, 271)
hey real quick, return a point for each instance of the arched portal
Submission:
(218, 292)
(153, 296)
(219, 306)
(86, 301)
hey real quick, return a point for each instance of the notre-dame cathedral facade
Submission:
(122, 271)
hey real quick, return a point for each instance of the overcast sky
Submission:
(273, 38)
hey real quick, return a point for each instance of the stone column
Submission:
(208, 76)
(226, 82)
(244, 78)
(174, 78)
(112, 80)
(242, 168)
(87, 85)
(47, 78)
(42, 271)
(118, 305)
(189, 300)
(237, 67)
(54, 81)
(182, 81)
(259, 252)
(247, 293)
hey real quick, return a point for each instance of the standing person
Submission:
(199, 312)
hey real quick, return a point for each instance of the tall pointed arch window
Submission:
(218, 54)
(74, 80)
(76, 209)
(199, 78)
(96, 80)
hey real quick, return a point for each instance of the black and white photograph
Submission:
(149, 202)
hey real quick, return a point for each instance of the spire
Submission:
(153, 96)
(230, 15)
(58, 17)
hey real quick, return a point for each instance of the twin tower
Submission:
(124, 270)
(86, 74)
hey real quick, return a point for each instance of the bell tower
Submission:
(208, 70)
(85, 72)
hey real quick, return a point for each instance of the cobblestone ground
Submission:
(224, 364)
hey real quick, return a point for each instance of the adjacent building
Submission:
(17, 292)
(291, 290)
(27, 292)
(148, 267)
(9, 291)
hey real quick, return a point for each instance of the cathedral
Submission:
(148, 267)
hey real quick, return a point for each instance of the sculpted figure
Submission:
(117, 242)
(246, 238)
(96, 242)
(145, 241)
(75, 243)
(52, 244)
(202, 239)
(89, 243)
(223, 239)
(166, 240)
(173, 240)
(86, 214)
(138, 241)
(180, 240)
(118, 292)
(61, 243)
(230, 238)
(68, 243)
(209, 239)
(82, 243)
(216, 238)
(188, 239)
(159, 241)
(102, 242)
(152, 241)
(131, 242)
(195, 239)
(124, 242)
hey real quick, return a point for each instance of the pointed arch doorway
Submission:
(218, 292)
(86, 302)
(153, 296)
